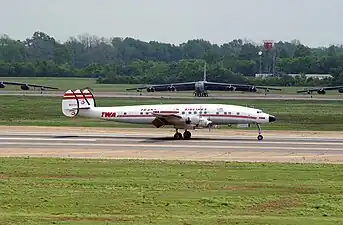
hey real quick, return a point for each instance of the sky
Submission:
(312, 22)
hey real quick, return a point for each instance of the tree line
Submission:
(127, 60)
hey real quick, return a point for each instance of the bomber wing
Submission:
(321, 89)
(238, 87)
(187, 86)
(25, 86)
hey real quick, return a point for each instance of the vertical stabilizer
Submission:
(204, 72)
(70, 104)
(73, 101)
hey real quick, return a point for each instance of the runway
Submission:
(164, 95)
(221, 146)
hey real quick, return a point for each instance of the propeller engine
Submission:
(192, 120)
(205, 123)
(198, 121)
(340, 90)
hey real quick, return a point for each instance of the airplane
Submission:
(180, 116)
(25, 86)
(201, 87)
(322, 90)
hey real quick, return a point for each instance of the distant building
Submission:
(263, 75)
(313, 76)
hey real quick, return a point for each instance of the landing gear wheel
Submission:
(177, 135)
(259, 137)
(187, 135)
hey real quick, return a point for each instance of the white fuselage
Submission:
(143, 114)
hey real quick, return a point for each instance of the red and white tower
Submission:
(270, 54)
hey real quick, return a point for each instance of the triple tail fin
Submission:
(73, 101)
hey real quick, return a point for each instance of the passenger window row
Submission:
(195, 112)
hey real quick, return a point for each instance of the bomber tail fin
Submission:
(204, 78)
(73, 101)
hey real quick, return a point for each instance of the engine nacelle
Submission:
(204, 122)
(2, 85)
(198, 121)
(150, 89)
(230, 88)
(321, 92)
(192, 120)
(24, 87)
(253, 89)
(171, 88)
(340, 90)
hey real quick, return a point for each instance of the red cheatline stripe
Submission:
(77, 98)
(213, 115)
(135, 116)
(81, 96)
(77, 94)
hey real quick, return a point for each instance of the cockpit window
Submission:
(259, 111)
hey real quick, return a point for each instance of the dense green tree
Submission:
(127, 60)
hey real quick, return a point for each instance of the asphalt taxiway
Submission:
(164, 95)
(161, 145)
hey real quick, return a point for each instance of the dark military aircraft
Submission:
(321, 90)
(202, 87)
(25, 86)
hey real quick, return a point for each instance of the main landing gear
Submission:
(186, 135)
(200, 94)
(259, 137)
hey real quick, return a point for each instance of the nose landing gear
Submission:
(259, 137)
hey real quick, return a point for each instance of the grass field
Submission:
(291, 115)
(65, 191)
(75, 83)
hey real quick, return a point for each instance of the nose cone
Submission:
(272, 119)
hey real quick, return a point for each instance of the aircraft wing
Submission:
(24, 86)
(320, 89)
(165, 118)
(187, 86)
(238, 87)
(167, 115)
